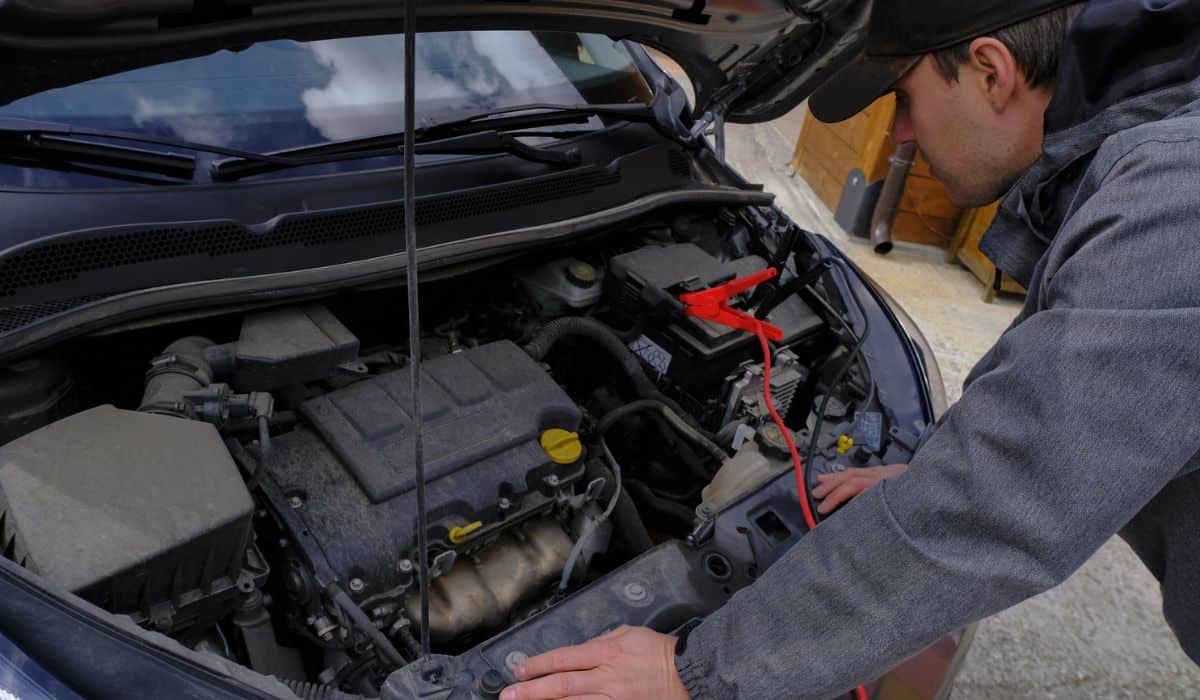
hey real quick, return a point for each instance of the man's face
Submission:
(971, 146)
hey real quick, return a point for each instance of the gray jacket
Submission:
(1083, 421)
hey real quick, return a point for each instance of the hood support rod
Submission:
(414, 309)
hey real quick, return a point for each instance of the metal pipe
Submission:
(890, 197)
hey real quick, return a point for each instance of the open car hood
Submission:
(750, 60)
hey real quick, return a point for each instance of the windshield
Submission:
(285, 94)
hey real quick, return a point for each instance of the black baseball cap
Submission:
(900, 32)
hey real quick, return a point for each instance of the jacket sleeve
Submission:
(1077, 417)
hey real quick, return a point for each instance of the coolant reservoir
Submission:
(562, 286)
(745, 471)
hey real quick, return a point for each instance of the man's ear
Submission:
(993, 70)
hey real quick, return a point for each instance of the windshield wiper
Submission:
(56, 151)
(478, 134)
(67, 144)
(480, 143)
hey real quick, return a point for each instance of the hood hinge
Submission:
(712, 121)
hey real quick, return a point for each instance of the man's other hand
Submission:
(629, 663)
(835, 489)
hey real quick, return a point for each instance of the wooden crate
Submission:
(826, 154)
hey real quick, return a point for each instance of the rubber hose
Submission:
(316, 691)
(669, 414)
(670, 509)
(625, 516)
(681, 449)
(187, 370)
(607, 339)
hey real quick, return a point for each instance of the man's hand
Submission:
(835, 489)
(629, 663)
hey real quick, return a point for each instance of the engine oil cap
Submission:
(563, 446)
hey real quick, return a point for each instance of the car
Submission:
(208, 470)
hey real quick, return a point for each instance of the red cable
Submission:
(860, 693)
(801, 486)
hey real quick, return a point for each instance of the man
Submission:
(1083, 420)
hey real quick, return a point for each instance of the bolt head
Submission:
(406, 566)
(357, 585)
(514, 659)
(552, 481)
(491, 682)
(295, 502)
(505, 504)
(293, 581)
(635, 591)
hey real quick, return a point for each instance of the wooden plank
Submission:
(827, 151)
(982, 268)
(974, 224)
(928, 197)
(878, 147)
(826, 187)
(805, 135)
(922, 229)
(853, 131)
(839, 155)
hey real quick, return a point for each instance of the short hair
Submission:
(1036, 45)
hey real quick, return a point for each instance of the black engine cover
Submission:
(348, 474)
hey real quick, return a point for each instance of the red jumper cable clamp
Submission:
(713, 305)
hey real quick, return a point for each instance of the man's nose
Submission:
(902, 129)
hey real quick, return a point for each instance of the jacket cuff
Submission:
(695, 673)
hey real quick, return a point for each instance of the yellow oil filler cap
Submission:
(563, 446)
(844, 444)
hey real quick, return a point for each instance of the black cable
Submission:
(843, 268)
(854, 356)
(812, 442)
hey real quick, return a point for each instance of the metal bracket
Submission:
(594, 487)
(711, 123)
(442, 564)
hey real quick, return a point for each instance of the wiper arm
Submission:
(57, 151)
(539, 114)
(491, 126)
(68, 144)
(479, 143)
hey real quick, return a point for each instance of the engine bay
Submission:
(242, 480)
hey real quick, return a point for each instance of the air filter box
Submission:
(141, 514)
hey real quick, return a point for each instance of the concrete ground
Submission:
(1099, 635)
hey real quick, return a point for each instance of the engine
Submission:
(500, 450)
(253, 492)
